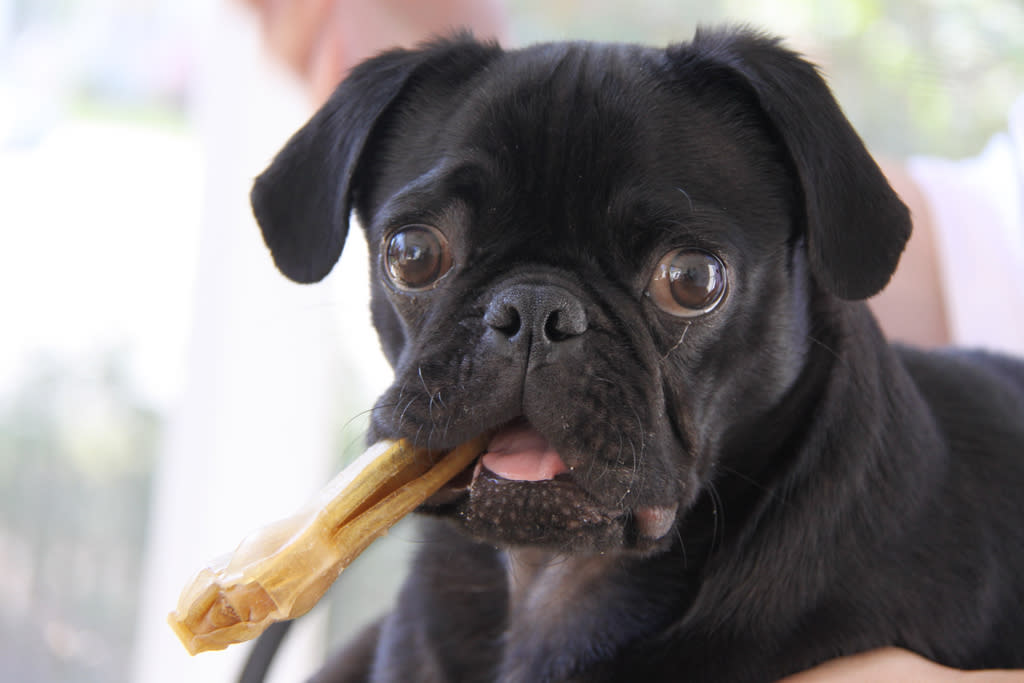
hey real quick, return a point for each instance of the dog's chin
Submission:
(533, 500)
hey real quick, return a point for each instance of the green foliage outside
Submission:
(76, 458)
(932, 77)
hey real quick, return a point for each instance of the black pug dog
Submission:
(642, 270)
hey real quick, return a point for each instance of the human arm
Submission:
(894, 664)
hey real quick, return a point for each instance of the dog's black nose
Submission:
(536, 313)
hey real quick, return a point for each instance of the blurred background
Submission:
(163, 390)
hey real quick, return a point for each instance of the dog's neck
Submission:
(549, 620)
(546, 583)
(570, 611)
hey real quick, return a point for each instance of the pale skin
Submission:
(896, 666)
(321, 39)
(911, 308)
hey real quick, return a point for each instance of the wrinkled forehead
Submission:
(610, 110)
(571, 133)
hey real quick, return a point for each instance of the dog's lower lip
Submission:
(650, 522)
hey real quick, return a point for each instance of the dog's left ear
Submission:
(303, 200)
(856, 225)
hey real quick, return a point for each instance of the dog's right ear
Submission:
(855, 224)
(303, 199)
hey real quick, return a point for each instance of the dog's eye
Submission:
(688, 283)
(417, 256)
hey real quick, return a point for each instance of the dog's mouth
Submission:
(520, 491)
(515, 452)
(518, 452)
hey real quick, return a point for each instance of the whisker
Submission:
(398, 401)
(676, 345)
(682, 546)
(359, 414)
(688, 198)
(447, 426)
(753, 482)
(835, 354)
(643, 445)
(401, 418)
(426, 390)
(718, 513)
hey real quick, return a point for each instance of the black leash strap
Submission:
(262, 653)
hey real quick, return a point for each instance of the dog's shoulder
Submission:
(976, 399)
(978, 381)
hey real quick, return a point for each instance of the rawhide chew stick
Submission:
(280, 571)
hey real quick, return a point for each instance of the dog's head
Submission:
(609, 257)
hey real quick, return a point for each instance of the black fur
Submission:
(834, 493)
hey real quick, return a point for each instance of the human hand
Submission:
(893, 664)
(321, 39)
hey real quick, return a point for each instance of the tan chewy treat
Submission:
(280, 571)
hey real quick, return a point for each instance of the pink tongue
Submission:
(519, 452)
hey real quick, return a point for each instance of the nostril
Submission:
(568, 319)
(555, 331)
(503, 317)
(513, 321)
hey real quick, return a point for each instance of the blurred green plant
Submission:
(76, 455)
(933, 77)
